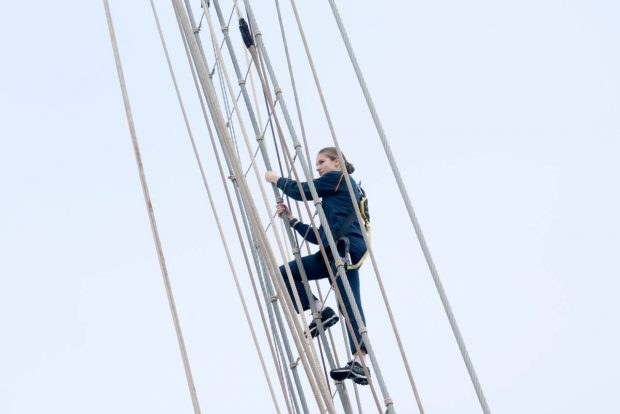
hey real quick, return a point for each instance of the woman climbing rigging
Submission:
(340, 214)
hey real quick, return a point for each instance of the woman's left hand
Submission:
(282, 209)
(272, 177)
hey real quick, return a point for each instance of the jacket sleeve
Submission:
(325, 185)
(306, 232)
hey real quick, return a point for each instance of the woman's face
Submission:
(324, 164)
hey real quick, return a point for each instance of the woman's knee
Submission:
(294, 273)
(283, 273)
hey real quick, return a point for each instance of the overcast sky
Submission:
(504, 121)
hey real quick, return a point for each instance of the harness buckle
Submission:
(346, 257)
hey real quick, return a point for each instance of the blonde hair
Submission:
(332, 154)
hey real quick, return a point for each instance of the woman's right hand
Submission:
(282, 209)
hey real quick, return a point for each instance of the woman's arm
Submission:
(325, 185)
(304, 231)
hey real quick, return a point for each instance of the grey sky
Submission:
(504, 120)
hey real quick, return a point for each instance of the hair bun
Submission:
(332, 153)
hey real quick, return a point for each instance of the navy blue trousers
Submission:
(315, 269)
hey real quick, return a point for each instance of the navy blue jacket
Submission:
(336, 201)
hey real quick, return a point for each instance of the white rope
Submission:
(317, 285)
(356, 207)
(151, 213)
(332, 277)
(248, 58)
(290, 163)
(201, 100)
(245, 137)
(248, 71)
(293, 85)
(244, 134)
(319, 210)
(244, 189)
(259, 263)
(306, 146)
(414, 221)
(314, 228)
(341, 272)
(222, 236)
(267, 295)
(351, 192)
(344, 398)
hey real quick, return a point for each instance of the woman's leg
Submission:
(315, 268)
(354, 281)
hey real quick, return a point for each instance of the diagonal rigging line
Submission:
(219, 225)
(341, 273)
(194, 70)
(258, 147)
(245, 54)
(229, 119)
(202, 104)
(247, 171)
(239, 94)
(229, 125)
(151, 213)
(332, 278)
(266, 100)
(348, 182)
(309, 355)
(217, 65)
(293, 83)
(216, 60)
(229, 86)
(388, 401)
(269, 225)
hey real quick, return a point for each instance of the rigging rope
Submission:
(219, 165)
(231, 91)
(233, 57)
(263, 255)
(220, 229)
(317, 202)
(293, 85)
(356, 207)
(260, 263)
(414, 221)
(225, 31)
(151, 213)
(267, 295)
(332, 277)
(244, 189)
(297, 256)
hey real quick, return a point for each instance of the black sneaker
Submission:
(353, 370)
(328, 318)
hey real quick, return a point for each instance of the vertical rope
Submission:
(256, 249)
(414, 221)
(151, 214)
(321, 213)
(340, 266)
(245, 191)
(342, 389)
(293, 84)
(220, 229)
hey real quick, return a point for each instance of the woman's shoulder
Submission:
(330, 182)
(341, 183)
(331, 176)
